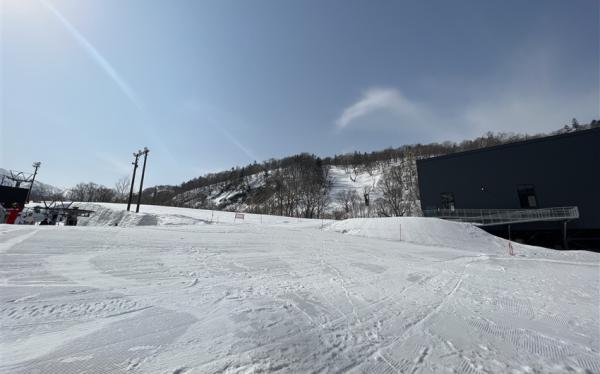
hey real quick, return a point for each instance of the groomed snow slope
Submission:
(286, 296)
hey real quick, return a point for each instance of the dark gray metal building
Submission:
(533, 187)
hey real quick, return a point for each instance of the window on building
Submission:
(447, 200)
(527, 196)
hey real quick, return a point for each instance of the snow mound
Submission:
(113, 214)
(425, 231)
(457, 235)
(431, 232)
(107, 216)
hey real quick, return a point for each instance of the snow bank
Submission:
(418, 230)
(117, 215)
(109, 214)
(426, 231)
(458, 235)
(103, 216)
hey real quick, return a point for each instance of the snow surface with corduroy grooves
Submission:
(175, 291)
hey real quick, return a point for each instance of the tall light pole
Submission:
(36, 165)
(146, 150)
(135, 165)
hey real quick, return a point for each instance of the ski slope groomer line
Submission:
(10, 238)
(287, 296)
(76, 300)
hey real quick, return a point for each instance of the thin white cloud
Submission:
(518, 106)
(527, 92)
(155, 142)
(522, 113)
(530, 93)
(117, 166)
(216, 118)
(251, 155)
(96, 56)
(378, 99)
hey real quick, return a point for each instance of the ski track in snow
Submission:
(285, 296)
(14, 240)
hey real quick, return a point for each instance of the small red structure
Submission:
(238, 216)
(13, 213)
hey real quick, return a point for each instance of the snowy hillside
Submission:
(229, 195)
(355, 183)
(236, 195)
(192, 291)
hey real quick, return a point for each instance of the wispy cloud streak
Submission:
(215, 118)
(382, 99)
(236, 142)
(96, 56)
(114, 164)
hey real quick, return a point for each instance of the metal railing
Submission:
(490, 217)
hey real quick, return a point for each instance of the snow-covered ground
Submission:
(174, 293)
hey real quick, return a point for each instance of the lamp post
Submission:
(145, 152)
(135, 165)
(36, 165)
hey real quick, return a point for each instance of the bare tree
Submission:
(350, 200)
(367, 195)
(91, 192)
(392, 186)
(354, 173)
(122, 189)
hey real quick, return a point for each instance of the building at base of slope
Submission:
(543, 191)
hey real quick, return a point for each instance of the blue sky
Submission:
(208, 85)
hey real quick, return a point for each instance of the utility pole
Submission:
(36, 165)
(135, 165)
(145, 152)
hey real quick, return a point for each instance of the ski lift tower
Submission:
(36, 165)
(11, 189)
